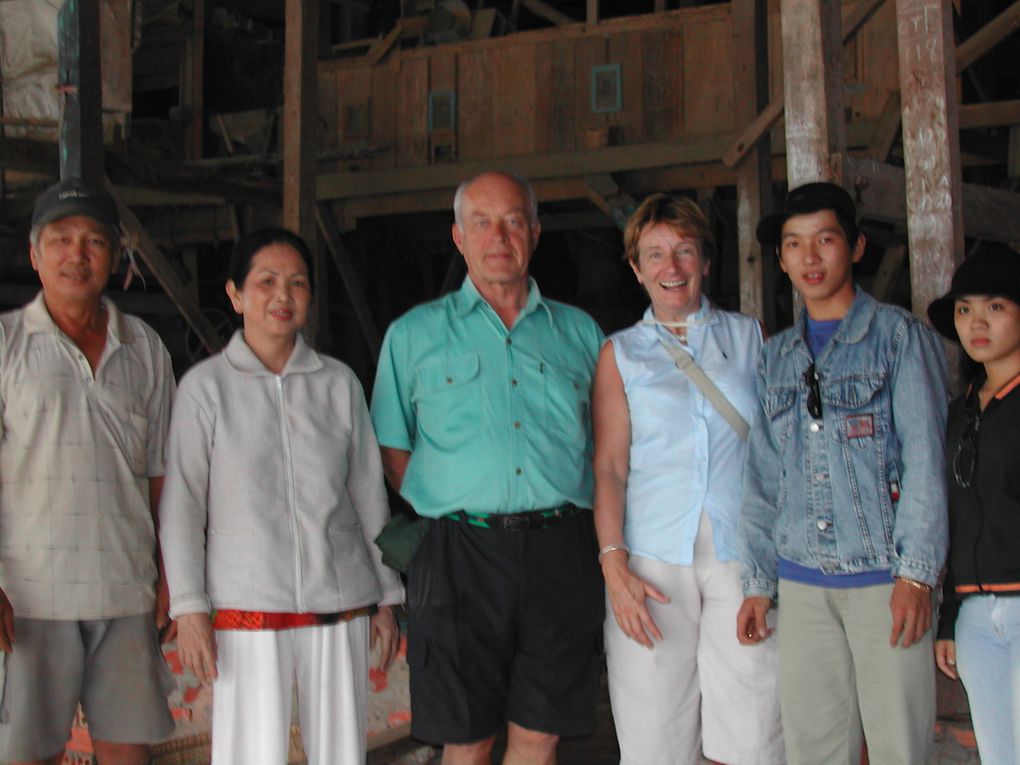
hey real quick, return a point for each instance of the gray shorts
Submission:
(114, 667)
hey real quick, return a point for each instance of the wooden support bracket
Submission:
(342, 260)
(166, 275)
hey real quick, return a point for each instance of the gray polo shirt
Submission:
(76, 454)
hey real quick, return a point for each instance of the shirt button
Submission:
(517, 425)
(509, 341)
(518, 471)
(822, 525)
(514, 382)
(814, 427)
(819, 476)
(449, 380)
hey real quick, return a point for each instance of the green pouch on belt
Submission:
(400, 538)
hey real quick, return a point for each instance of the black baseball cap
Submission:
(994, 272)
(809, 198)
(75, 197)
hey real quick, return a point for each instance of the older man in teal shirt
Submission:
(481, 406)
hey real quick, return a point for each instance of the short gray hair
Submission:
(529, 195)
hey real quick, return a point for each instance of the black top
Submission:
(984, 498)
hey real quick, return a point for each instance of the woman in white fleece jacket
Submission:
(273, 495)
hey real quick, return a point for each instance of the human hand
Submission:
(945, 658)
(6, 624)
(166, 626)
(911, 613)
(627, 595)
(752, 627)
(382, 629)
(196, 645)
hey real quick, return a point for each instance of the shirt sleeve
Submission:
(158, 406)
(759, 508)
(392, 412)
(367, 492)
(920, 404)
(183, 509)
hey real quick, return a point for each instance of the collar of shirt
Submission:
(37, 319)
(700, 320)
(468, 298)
(302, 359)
(852, 329)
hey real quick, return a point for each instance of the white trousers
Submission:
(252, 695)
(698, 690)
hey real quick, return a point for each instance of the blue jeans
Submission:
(988, 659)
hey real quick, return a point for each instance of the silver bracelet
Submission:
(612, 548)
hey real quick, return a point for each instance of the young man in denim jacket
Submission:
(844, 511)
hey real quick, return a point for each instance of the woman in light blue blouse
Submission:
(668, 474)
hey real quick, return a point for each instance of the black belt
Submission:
(530, 521)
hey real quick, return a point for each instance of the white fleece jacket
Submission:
(274, 489)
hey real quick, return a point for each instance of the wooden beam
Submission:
(610, 159)
(592, 14)
(880, 191)
(857, 16)
(300, 72)
(547, 12)
(993, 114)
(192, 87)
(931, 146)
(883, 286)
(754, 181)
(770, 115)
(342, 260)
(384, 45)
(887, 129)
(812, 58)
(986, 38)
(146, 248)
(80, 82)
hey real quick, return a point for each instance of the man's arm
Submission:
(394, 465)
(166, 627)
(920, 399)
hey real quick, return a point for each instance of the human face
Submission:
(816, 256)
(670, 266)
(74, 259)
(989, 328)
(498, 235)
(275, 296)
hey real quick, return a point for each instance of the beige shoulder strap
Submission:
(686, 364)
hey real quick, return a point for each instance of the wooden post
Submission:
(592, 15)
(193, 89)
(930, 146)
(301, 44)
(754, 184)
(813, 74)
(80, 82)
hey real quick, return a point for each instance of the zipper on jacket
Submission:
(288, 471)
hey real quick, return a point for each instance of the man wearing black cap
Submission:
(844, 513)
(85, 395)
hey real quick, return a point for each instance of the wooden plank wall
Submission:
(530, 93)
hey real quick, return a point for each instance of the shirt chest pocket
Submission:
(448, 401)
(778, 407)
(860, 406)
(566, 405)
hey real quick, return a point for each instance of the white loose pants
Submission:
(252, 695)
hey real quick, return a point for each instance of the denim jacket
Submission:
(863, 488)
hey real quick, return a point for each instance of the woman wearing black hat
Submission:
(979, 630)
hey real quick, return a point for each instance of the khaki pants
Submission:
(838, 672)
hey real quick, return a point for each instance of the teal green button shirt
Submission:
(496, 420)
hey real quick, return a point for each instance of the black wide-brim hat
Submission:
(75, 197)
(809, 198)
(993, 272)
